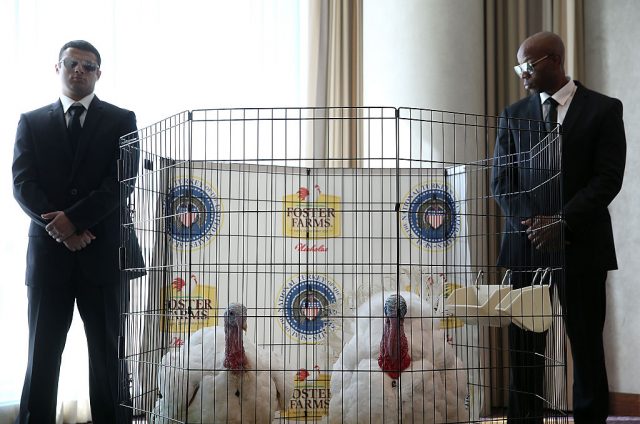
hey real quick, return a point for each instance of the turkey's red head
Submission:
(235, 322)
(394, 347)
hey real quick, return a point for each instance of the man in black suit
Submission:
(65, 177)
(593, 150)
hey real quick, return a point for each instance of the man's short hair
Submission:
(80, 45)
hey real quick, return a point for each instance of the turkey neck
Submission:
(394, 348)
(234, 357)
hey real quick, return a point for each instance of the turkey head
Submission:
(235, 322)
(394, 347)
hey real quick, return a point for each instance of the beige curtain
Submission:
(507, 24)
(335, 80)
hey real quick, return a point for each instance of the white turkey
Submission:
(398, 367)
(220, 377)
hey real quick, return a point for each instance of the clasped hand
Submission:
(63, 231)
(544, 232)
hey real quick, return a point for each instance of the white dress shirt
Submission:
(563, 97)
(68, 102)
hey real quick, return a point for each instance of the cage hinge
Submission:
(308, 172)
(397, 207)
(120, 170)
(121, 347)
(122, 255)
(148, 164)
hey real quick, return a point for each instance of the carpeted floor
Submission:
(610, 420)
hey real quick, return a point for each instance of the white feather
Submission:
(196, 388)
(433, 389)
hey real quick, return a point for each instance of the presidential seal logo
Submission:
(430, 216)
(193, 213)
(305, 306)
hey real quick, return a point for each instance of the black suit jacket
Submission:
(47, 177)
(593, 155)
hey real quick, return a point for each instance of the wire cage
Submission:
(338, 265)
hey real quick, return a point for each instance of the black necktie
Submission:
(551, 120)
(74, 125)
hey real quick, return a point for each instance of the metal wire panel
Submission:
(317, 221)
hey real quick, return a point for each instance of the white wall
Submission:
(612, 61)
(424, 53)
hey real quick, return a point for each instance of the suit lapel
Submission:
(575, 108)
(536, 126)
(535, 107)
(58, 125)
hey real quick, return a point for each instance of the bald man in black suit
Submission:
(65, 177)
(593, 161)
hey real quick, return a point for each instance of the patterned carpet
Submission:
(610, 420)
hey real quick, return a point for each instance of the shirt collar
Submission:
(561, 96)
(67, 102)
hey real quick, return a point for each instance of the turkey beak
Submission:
(244, 325)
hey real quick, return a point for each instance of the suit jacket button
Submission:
(74, 191)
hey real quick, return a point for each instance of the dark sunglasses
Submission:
(70, 64)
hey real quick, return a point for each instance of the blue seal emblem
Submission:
(192, 214)
(431, 216)
(305, 307)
